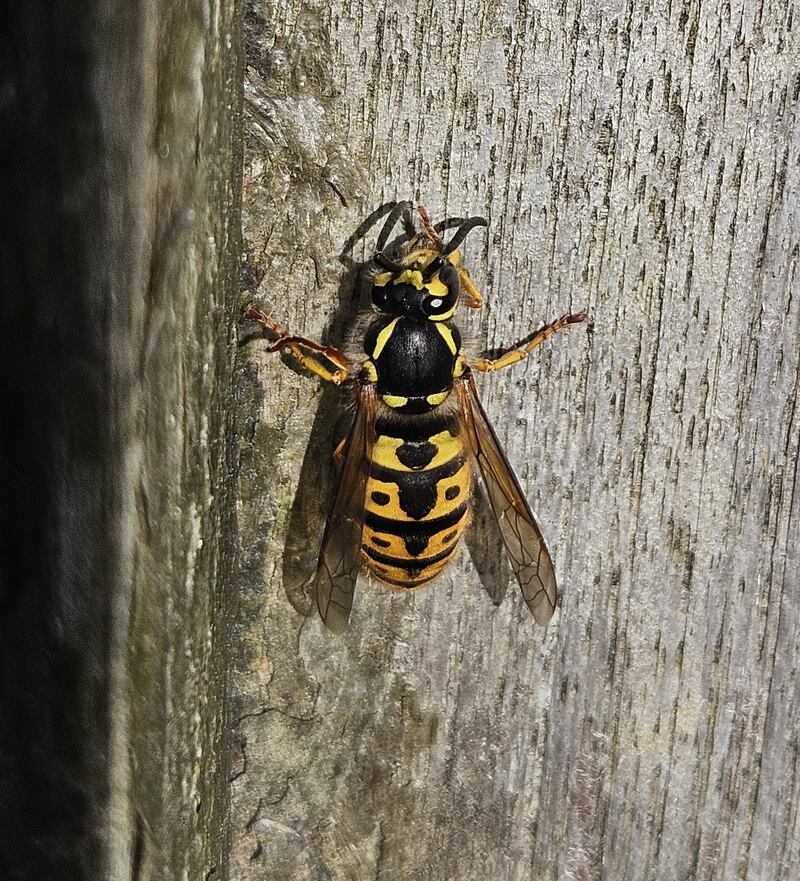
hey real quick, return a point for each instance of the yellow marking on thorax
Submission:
(370, 371)
(437, 398)
(394, 400)
(383, 338)
(447, 335)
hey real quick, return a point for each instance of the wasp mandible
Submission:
(419, 429)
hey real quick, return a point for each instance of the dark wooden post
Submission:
(120, 210)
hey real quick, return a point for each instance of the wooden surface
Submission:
(121, 166)
(177, 356)
(643, 162)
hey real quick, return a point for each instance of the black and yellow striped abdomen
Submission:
(417, 498)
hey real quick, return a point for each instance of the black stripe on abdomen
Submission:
(417, 429)
(405, 528)
(410, 565)
(418, 490)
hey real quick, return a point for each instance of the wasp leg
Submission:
(338, 453)
(522, 350)
(313, 362)
(425, 238)
(430, 231)
(473, 298)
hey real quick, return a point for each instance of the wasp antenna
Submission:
(385, 263)
(461, 233)
(448, 223)
(432, 268)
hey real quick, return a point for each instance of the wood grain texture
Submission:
(175, 351)
(119, 251)
(644, 162)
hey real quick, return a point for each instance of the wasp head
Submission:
(425, 284)
(415, 289)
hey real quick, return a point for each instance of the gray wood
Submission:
(643, 161)
(119, 250)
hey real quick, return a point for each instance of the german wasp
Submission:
(419, 429)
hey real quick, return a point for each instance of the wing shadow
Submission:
(319, 473)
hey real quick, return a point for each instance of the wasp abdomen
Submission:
(417, 501)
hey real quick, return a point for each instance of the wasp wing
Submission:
(522, 537)
(340, 556)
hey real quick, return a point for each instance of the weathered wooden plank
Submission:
(120, 193)
(642, 161)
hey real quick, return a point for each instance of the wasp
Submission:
(419, 430)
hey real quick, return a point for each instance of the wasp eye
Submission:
(379, 297)
(435, 303)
